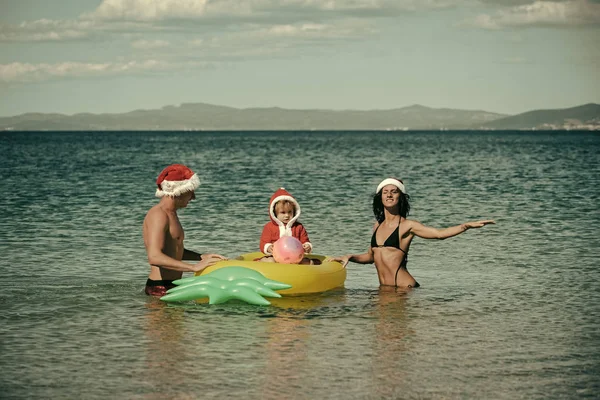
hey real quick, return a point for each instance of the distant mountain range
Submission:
(201, 116)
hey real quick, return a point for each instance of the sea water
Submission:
(508, 311)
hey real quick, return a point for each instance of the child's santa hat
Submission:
(391, 181)
(175, 180)
(280, 195)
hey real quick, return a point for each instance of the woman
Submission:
(393, 234)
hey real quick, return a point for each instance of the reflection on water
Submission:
(390, 340)
(164, 346)
(287, 342)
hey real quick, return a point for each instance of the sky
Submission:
(114, 56)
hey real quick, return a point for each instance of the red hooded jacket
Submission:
(275, 229)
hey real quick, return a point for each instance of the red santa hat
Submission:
(175, 180)
(391, 181)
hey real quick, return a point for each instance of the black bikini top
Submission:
(392, 241)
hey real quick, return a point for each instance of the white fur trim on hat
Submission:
(391, 181)
(177, 188)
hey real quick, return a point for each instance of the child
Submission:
(284, 212)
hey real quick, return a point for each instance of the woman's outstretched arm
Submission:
(427, 232)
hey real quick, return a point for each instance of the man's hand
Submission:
(206, 261)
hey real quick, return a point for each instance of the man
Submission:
(163, 233)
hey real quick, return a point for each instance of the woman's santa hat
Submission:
(391, 181)
(176, 180)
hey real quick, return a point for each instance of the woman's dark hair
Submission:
(403, 204)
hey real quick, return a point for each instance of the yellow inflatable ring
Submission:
(303, 278)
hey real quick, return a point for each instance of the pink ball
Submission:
(288, 250)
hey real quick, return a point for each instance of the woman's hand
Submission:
(307, 248)
(343, 259)
(478, 224)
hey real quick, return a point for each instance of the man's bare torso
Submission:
(173, 242)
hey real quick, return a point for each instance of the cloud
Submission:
(133, 19)
(148, 10)
(196, 42)
(515, 60)
(348, 29)
(198, 31)
(507, 3)
(161, 10)
(258, 42)
(26, 72)
(184, 50)
(113, 19)
(543, 13)
(149, 44)
(44, 30)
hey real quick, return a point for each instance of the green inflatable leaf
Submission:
(225, 284)
(233, 273)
